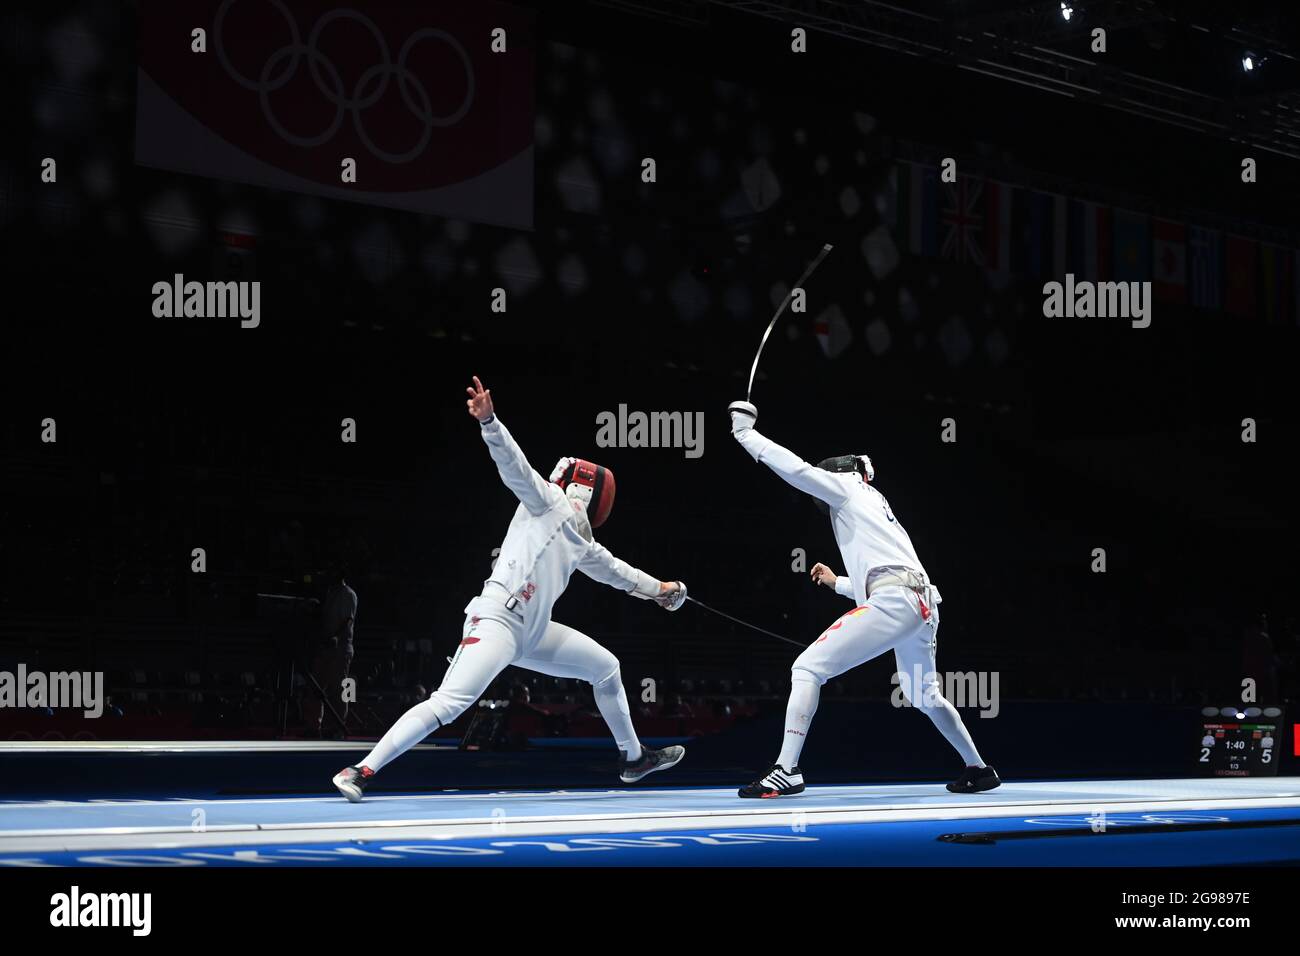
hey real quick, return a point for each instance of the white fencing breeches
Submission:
(892, 619)
(487, 647)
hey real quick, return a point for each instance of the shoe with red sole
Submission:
(351, 781)
(777, 782)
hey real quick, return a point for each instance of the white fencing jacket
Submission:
(546, 542)
(871, 539)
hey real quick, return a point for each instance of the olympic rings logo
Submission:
(370, 86)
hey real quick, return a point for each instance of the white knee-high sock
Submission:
(805, 692)
(412, 727)
(944, 716)
(611, 700)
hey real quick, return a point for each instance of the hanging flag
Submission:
(1287, 279)
(918, 209)
(1032, 215)
(1286, 282)
(1022, 214)
(1169, 261)
(1132, 246)
(1060, 226)
(1276, 280)
(437, 123)
(997, 226)
(1268, 282)
(1089, 247)
(1240, 257)
(961, 218)
(1206, 267)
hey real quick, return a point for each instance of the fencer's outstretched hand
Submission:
(823, 575)
(743, 416)
(480, 401)
(672, 595)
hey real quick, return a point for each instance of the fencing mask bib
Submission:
(588, 483)
(858, 464)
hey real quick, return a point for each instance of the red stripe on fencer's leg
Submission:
(854, 613)
(840, 623)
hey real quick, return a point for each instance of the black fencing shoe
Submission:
(351, 781)
(630, 771)
(777, 782)
(975, 780)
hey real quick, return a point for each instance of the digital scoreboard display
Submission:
(1240, 741)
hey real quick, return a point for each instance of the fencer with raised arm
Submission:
(509, 622)
(896, 607)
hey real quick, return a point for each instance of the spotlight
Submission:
(1248, 62)
(1067, 11)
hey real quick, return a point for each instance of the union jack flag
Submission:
(961, 219)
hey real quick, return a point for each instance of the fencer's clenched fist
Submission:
(480, 401)
(672, 595)
(823, 575)
(743, 415)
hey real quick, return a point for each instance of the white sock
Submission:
(412, 727)
(611, 700)
(804, 694)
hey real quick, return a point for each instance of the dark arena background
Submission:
(596, 207)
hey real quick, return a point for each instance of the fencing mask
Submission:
(588, 483)
(859, 464)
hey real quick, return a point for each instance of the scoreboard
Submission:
(1240, 741)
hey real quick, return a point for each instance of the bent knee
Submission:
(801, 673)
(929, 696)
(606, 673)
(443, 707)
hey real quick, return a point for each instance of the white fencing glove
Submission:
(743, 416)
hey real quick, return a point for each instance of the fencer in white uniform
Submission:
(897, 608)
(549, 538)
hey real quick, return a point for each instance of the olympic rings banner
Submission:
(287, 89)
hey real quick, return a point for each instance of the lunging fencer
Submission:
(550, 537)
(897, 608)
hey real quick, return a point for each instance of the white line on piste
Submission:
(770, 814)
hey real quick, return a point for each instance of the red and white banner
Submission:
(287, 89)
(1169, 260)
(997, 226)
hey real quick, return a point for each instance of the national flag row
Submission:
(1001, 227)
